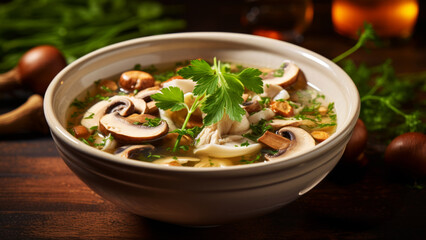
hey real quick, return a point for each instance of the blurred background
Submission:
(79, 27)
(361, 199)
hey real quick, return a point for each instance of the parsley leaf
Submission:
(201, 72)
(251, 80)
(169, 98)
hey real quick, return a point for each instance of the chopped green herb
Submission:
(79, 104)
(85, 141)
(106, 89)
(152, 122)
(90, 116)
(255, 159)
(280, 71)
(265, 102)
(245, 144)
(257, 130)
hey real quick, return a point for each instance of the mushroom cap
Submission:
(291, 71)
(146, 93)
(133, 151)
(301, 141)
(122, 104)
(125, 132)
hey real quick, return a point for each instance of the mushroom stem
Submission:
(9, 80)
(28, 117)
(274, 141)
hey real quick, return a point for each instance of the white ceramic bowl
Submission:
(191, 196)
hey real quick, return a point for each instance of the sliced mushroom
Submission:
(290, 73)
(125, 132)
(134, 151)
(301, 141)
(274, 141)
(121, 104)
(145, 94)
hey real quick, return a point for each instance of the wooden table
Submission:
(40, 198)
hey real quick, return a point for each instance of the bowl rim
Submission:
(60, 132)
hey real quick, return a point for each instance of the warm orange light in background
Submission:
(268, 33)
(390, 18)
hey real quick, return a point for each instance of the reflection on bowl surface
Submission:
(200, 196)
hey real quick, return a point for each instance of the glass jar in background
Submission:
(390, 18)
(279, 19)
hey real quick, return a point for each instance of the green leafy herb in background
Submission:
(389, 103)
(78, 27)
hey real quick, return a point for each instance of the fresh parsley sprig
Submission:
(221, 90)
(217, 92)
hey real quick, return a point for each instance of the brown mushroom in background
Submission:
(406, 155)
(35, 70)
(354, 151)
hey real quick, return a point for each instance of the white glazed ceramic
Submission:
(191, 196)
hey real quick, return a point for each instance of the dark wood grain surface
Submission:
(40, 198)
